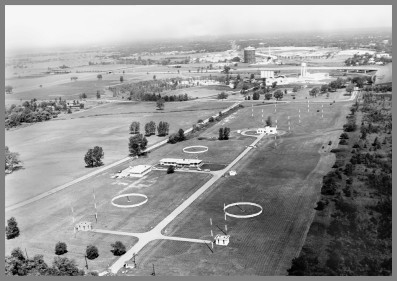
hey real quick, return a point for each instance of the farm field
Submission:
(285, 181)
(58, 146)
(54, 214)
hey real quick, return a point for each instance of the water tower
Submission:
(249, 55)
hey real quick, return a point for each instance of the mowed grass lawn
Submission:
(273, 181)
(53, 152)
(285, 181)
(50, 219)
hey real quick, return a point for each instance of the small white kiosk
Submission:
(267, 130)
(222, 240)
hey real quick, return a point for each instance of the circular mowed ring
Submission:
(130, 206)
(202, 147)
(243, 216)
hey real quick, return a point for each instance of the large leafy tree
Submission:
(163, 128)
(181, 135)
(62, 266)
(118, 248)
(220, 134)
(150, 128)
(160, 104)
(11, 160)
(278, 94)
(314, 92)
(137, 144)
(222, 96)
(226, 133)
(12, 229)
(268, 96)
(60, 248)
(93, 157)
(134, 127)
(350, 88)
(324, 88)
(91, 252)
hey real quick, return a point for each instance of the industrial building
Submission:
(249, 55)
(192, 163)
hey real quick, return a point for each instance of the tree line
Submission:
(34, 111)
(19, 264)
(357, 197)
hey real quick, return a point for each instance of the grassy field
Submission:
(50, 220)
(58, 146)
(284, 181)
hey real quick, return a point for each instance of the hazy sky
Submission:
(50, 26)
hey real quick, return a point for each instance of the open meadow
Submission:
(285, 181)
(58, 146)
(51, 219)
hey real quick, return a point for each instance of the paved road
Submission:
(155, 233)
(264, 67)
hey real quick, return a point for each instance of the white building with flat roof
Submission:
(135, 171)
(193, 163)
(267, 130)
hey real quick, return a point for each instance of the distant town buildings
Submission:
(249, 55)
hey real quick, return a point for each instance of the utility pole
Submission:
(134, 260)
(153, 273)
(86, 263)
(26, 254)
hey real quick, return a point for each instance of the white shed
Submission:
(222, 240)
(267, 130)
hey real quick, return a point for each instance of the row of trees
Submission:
(18, 264)
(150, 128)
(150, 89)
(180, 136)
(357, 238)
(154, 97)
(33, 111)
